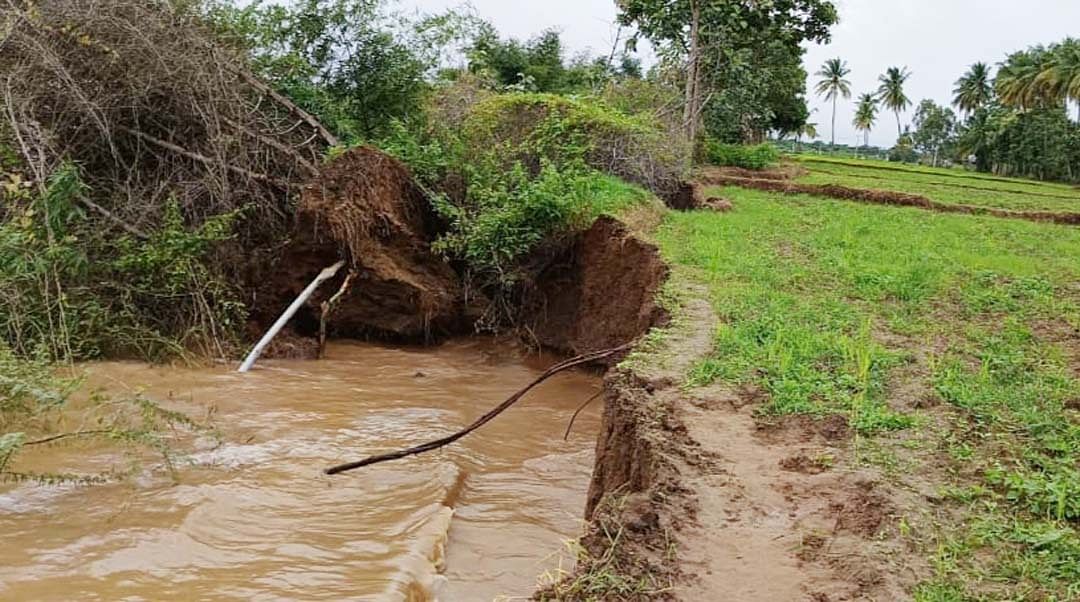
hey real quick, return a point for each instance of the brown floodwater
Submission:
(253, 518)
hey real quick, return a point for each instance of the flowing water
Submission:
(255, 519)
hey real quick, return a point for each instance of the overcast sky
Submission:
(936, 39)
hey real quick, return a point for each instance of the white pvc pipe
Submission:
(323, 276)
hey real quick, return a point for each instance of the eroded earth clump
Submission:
(365, 208)
(594, 290)
(599, 293)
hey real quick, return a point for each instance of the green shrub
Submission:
(70, 289)
(532, 128)
(509, 214)
(517, 169)
(759, 156)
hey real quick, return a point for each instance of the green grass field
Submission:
(952, 345)
(954, 186)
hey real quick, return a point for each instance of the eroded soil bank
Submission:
(697, 497)
(253, 518)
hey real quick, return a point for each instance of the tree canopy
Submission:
(935, 129)
(718, 40)
(974, 89)
(866, 116)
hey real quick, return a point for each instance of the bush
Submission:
(70, 289)
(758, 157)
(532, 128)
(509, 171)
(508, 216)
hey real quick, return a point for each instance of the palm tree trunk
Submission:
(833, 143)
(899, 132)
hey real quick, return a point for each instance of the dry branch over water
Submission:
(563, 366)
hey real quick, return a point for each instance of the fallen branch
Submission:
(486, 418)
(137, 233)
(308, 165)
(292, 107)
(570, 426)
(169, 146)
(93, 433)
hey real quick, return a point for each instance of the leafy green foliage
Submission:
(833, 85)
(759, 88)
(866, 116)
(345, 62)
(73, 292)
(539, 65)
(758, 156)
(891, 92)
(935, 130)
(749, 57)
(35, 400)
(974, 90)
(1040, 143)
(1041, 76)
(532, 167)
(509, 215)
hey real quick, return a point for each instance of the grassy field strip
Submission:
(867, 164)
(895, 198)
(948, 196)
(936, 180)
(1015, 194)
(950, 343)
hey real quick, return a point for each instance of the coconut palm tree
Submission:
(865, 116)
(832, 85)
(891, 92)
(1017, 83)
(1059, 80)
(974, 89)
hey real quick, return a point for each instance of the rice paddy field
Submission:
(950, 343)
(953, 186)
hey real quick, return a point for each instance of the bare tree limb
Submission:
(293, 108)
(308, 165)
(580, 409)
(328, 308)
(67, 436)
(202, 158)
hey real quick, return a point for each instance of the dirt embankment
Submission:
(695, 497)
(690, 499)
(599, 292)
(365, 208)
(884, 197)
(592, 291)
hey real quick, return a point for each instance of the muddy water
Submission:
(254, 519)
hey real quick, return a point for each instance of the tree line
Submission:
(1016, 122)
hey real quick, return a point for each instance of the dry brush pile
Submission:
(186, 171)
(144, 100)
